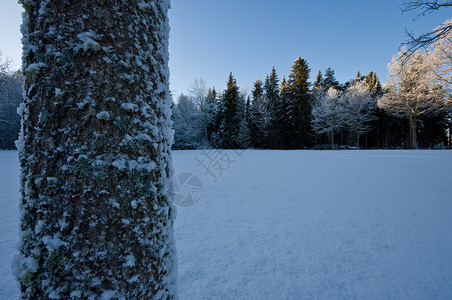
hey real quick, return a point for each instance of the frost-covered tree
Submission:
(189, 131)
(96, 217)
(411, 90)
(10, 98)
(198, 93)
(359, 108)
(440, 59)
(5, 63)
(328, 113)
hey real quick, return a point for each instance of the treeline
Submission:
(292, 113)
(10, 98)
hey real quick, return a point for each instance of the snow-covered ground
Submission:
(300, 225)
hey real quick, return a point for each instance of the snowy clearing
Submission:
(300, 224)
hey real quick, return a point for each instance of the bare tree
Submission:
(440, 58)
(411, 90)
(5, 63)
(424, 7)
(96, 215)
(198, 93)
(359, 109)
(327, 113)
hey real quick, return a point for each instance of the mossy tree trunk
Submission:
(95, 151)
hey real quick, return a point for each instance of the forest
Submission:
(411, 110)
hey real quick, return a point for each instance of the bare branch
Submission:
(424, 40)
(425, 6)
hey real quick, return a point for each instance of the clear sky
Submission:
(210, 38)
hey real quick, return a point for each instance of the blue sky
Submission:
(210, 38)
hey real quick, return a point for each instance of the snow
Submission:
(299, 225)
(9, 221)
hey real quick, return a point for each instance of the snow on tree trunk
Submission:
(96, 219)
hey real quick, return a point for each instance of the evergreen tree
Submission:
(330, 80)
(259, 114)
(319, 82)
(300, 105)
(359, 76)
(284, 113)
(211, 121)
(373, 84)
(244, 133)
(96, 216)
(272, 100)
(231, 115)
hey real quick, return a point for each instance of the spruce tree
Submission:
(373, 83)
(284, 114)
(272, 100)
(300, 105)
(330, 80)
(96, 217)
(231, 115)
(211, 117)
(319, 81)
(257, 114)
(359, 76)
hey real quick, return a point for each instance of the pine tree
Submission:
(258, 114)
(271, 87)
(300, 105)
(284, 113)
(319, 82)
(359, 76)
(330, 80)
(231, 115)
(373, 83)
(211, 123)
(96, 216)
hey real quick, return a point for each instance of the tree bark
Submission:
(95, 152)
(357, 140)
(413, 138)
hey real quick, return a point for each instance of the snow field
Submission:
(319, 224)
(300, 225)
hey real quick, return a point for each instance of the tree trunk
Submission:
(450, 136)
(332, 140)
(95, 152)
(413, 138)
(357, 140)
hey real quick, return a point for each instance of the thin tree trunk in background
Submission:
(95, 152)
(332, 140)
(413, 138)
